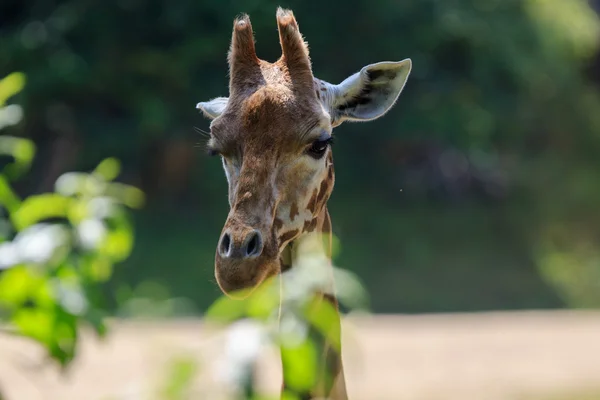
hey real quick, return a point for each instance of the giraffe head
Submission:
(273, 134)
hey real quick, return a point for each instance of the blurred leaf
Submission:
(323, 316)
(287, 395)
(40, 207)
(11, 85)
(226, 310)
(118, 242)
(179, 379)
(22, 284)
(130, 196)
(22, 150)
(78, 210)
(46, 301)
(35, 323)
(349, 290)
(108, 169)
(264, 301)
(300, 366)
(7, 197)
(64, 337)
(98, 269)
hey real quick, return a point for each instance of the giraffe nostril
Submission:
(225, 245)
(254, 244)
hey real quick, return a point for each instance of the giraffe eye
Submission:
(318, 147)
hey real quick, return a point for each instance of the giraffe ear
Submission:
(213, 108)
(369, 93)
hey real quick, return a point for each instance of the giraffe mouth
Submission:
(241, 292)
(238, 280)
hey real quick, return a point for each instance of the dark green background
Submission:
(478, 191)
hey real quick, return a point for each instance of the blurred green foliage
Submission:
(57, 249)
(287, 312)
(178, 380)
(478, 191)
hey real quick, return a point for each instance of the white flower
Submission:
(69, 183)
(90, 233)
(38, 243)
(9, 255)
(101, 207)
(243, 344)
(71, 297)
(10, 115)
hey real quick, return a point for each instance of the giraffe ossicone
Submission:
(274, 135)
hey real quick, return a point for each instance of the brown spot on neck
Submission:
(310, 225)
(293, 211)
(323, 189)
(287, 236)
(277, 224)
(312, 203)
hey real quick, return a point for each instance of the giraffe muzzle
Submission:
(244, 258)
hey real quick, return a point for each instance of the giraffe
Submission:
(273, 134)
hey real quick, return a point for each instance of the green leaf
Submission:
(130, 196)
(11, 85)
(349, 290)
(226, 310)
(264, 301)
(78, 210)
(287, 395)
(97, 269)
(35, 323)
(20, 284)
(118, 243)
(64, 337)
(40, 207)
(8, 198)
(300, 365)
(323, 316)
(259, 303)
(108, 169)
(22, 150)
(181, 374)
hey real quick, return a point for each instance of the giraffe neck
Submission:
(311, 251)
(318, 244)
